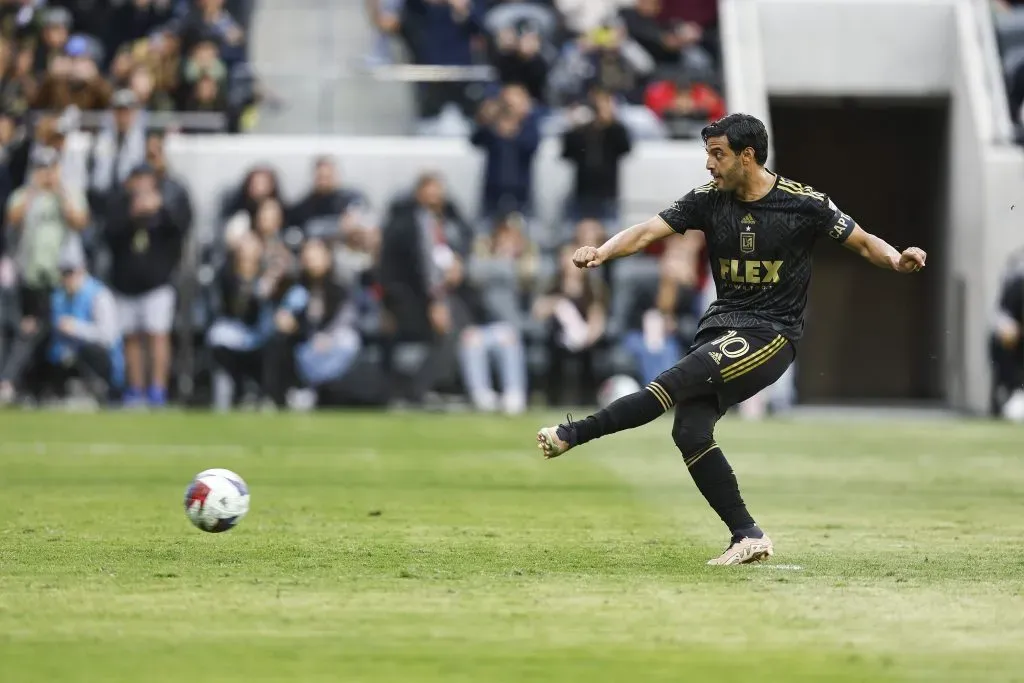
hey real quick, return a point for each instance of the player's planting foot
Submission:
(554, 441)
(744, 550)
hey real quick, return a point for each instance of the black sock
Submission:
(629, 411)
(716, 480)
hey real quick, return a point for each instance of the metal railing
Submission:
(361, 99)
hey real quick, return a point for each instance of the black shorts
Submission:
(732, 365)
(743, 363)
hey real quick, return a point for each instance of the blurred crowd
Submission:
(320, 299)
(326, 300)
(659, 59)
(88, 274)
(156, 56)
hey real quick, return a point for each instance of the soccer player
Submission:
(760, 229)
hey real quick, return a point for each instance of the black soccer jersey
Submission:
(760, 251)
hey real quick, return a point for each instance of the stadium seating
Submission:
(320, 67)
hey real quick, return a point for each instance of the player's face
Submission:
(726, 166)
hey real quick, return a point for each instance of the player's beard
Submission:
(730, 179)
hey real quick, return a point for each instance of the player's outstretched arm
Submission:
(882, 254)
(629, 241)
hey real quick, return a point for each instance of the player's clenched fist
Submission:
(912, 260)
(587, 257)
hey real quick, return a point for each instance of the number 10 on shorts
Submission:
(732, 345)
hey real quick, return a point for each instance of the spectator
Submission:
(701, 15)
(329, 341)
(270, 228)
(240, 207)
(56, 31)
(175, 195)
(508, 131)
(133, 21)
(162, 55)
(142, 83)
(208, 20)
(575, 308)
(18, 19)
(51, 131)
(91, 17)
(653, 326)
(584, 16)
(120, 71)
(119, 148)
(507, 265)
(486, 338)
(664, 44)
(519, 60)
(670, 45)
(235, 336)
(14, 146)
(607, 58)
(278, 353)
(357, 255)
(40, 217)
(327, 198)
(386, 18)
(18, 87)
(685, 105)
(441, 32)
(1006, 351)
(503, 272)
(85, 340)
(425, 245)
(207, 95)
(249, 293)
(74, 79)
(596, 146)
(203, 64)
(145, 235)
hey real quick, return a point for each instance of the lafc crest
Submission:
(746, 243)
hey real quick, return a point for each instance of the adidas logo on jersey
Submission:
(717, 357)
(748, 220)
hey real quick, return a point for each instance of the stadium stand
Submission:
(250, 312)
(432, 292)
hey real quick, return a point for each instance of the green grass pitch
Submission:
(443, 548)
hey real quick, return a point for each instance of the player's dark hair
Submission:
(742, 131)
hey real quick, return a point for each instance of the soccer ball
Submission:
(216, 500)
(614, 388)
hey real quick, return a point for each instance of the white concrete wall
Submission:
(743, 59)
(984, 177)
(965, 236)
(876, 47)
(654, 175)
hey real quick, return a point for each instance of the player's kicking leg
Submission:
(702, 385)
(687, 378)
